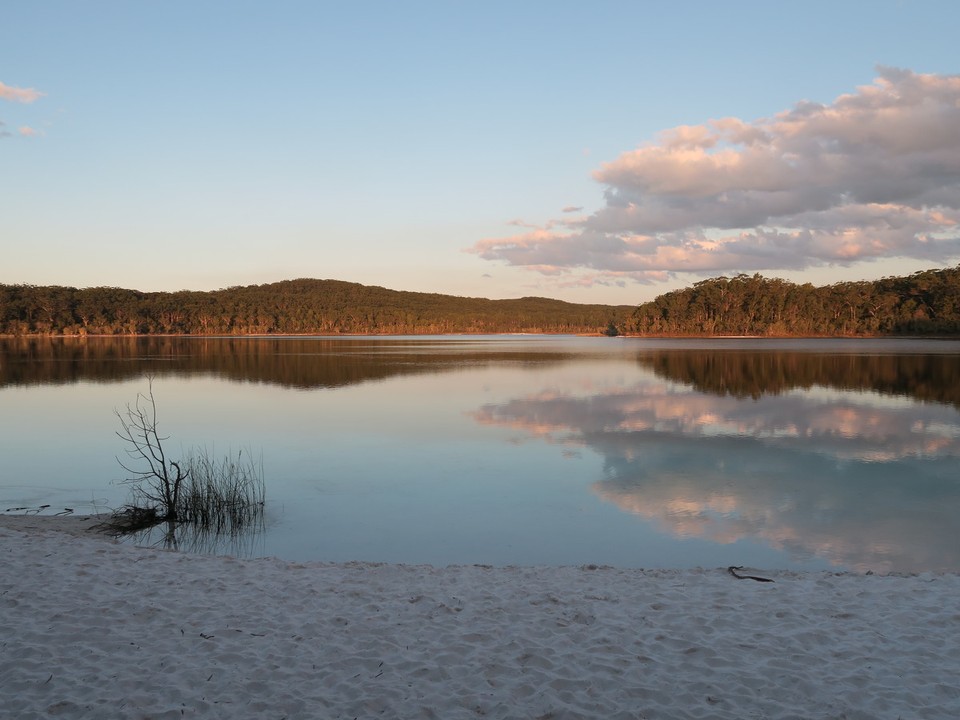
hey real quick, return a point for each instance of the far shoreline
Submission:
(633, 336)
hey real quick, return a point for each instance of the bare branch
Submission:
(157, 481)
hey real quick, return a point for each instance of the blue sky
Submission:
(593, 152)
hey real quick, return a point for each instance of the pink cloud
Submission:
(20, 95)
(874, 174)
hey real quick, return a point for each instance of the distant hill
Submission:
(290, 307)
(924, 303)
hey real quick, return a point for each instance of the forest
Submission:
(925, 303)
(292, 307)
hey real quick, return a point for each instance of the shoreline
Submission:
(84, 526)
(93, 628)
(597, 334)
(75, 525)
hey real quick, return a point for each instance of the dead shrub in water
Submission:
(217, 497)
(155, 480)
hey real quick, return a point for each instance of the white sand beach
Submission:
(95, 629)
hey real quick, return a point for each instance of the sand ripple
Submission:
(91, 629)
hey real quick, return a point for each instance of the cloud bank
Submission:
(875, 174)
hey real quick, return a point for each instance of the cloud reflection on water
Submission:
(863, 480)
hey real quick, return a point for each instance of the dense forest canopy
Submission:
(288, 307)
(925, 303)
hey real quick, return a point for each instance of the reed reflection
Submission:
(861, 479)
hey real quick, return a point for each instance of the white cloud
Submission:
(875, 174)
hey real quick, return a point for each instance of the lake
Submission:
(522, 450)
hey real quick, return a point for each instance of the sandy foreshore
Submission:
(95, 629)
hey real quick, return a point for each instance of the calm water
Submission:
(524, 450)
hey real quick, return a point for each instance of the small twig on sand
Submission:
(733, 568)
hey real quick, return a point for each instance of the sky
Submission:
(592, 152)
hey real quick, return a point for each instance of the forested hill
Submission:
(925, 303)
(289, 307)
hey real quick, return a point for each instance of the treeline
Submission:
(925, 303)
(290, 307)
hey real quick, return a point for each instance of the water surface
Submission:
(524, 450)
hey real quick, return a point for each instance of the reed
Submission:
(224, 495)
